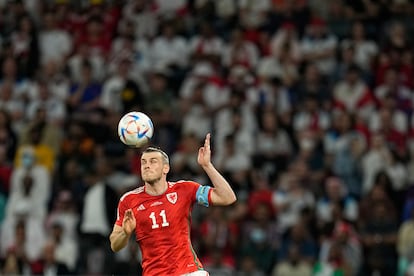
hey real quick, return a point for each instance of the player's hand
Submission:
(129, 223)
(204, 153)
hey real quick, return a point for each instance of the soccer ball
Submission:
(135, 129)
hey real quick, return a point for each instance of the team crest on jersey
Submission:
(172, 197)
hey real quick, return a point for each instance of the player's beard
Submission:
(151, 180)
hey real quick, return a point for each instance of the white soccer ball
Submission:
(135, 129)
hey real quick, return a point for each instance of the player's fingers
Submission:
(207, 141)
(128, 213)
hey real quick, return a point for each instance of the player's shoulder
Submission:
(182, 183)
(135, 192)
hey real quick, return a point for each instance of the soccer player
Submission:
(159, 213)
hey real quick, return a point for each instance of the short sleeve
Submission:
(199, 193)
(122, 207)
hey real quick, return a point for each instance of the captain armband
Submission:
(202, 195)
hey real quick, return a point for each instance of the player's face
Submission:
(152, 167)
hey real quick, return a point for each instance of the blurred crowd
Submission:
(310, 105)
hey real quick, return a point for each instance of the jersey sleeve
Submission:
(199, 193)
(122, 207)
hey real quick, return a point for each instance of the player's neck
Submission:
(157, 188)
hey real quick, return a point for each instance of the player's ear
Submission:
(166, 168)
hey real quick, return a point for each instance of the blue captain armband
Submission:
(202, 195)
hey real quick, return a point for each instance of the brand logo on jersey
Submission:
(172, 197)
(141, 207)
(156, 203)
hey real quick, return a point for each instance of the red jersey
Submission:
(163, 227)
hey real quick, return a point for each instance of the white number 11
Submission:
(154, 220)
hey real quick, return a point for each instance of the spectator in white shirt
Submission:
(144, 19)
(365, 50)
(55, 44)
(395, 88)
(55, 107)
(30, 188)
(240, 51)
(206, 45)
(169, 49)
(319, 46)
(14, 106)
(253, 14)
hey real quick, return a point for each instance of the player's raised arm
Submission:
(222, 193)
(120, 235)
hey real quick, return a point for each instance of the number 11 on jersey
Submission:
(163, 216)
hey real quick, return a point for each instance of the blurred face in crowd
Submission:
(9, 68)
(391, 78)
(312, 73)
(49, 253)
(237, 37)
(294, 254)
(334, 188)
(352, 77)
(94, 27)
(6, 91)
(358, 31)
(158, 82)
(378, 193)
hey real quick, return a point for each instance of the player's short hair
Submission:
(165, 157)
